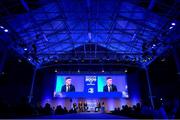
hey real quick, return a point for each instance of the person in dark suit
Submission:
(68, 87)
(109, 87)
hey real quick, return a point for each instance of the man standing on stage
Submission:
(68, 87)
(109, 87)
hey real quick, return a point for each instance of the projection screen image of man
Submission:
(68, 87)
(109, 87)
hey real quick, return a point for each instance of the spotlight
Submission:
(89, 35)
(55, 71)
(154, 45)
(29, 59)
(102, 70)
(125, 70)
(170, 27)
(78, 71)
(25, 49)
(161, 99)
(126, 87)
(149, 58)
(144, 60)
(173, 24)
(6, 30)
(1, 27)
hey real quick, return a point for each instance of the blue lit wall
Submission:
(134, 81)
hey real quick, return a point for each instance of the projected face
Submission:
(109, 81)
(68, 81)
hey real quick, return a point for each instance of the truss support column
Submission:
(32, 85)
(177, 61)
(149, 86)
(2, 60)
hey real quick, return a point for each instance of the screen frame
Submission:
(89, 74)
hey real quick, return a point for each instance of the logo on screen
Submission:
(91, 90)
(91, 79)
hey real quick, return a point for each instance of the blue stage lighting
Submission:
(170, 27)
(173, 24)
(25, 49)
(6, 30)
(1, 27)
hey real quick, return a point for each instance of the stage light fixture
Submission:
(125, 70)
(102, 71)
(173, 23)
(6, 30)
(149, 58)
(25, 49)
(29, 59)
(55, 71)
(133, 59)
(170, 27)
(144, 60)
(1, 27)
(89, 35)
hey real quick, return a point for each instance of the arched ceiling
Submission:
(134, 32)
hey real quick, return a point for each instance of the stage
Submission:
(84, 115)
(109, 103)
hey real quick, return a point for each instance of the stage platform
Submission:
(75, 116)
(84, 116)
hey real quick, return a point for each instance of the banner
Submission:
(90, 84)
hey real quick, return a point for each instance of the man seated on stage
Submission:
(85, 106)
(68, 87)
(98, 107)
(109, 87)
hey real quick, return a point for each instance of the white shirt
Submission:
(109, 88)
(67, 88)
